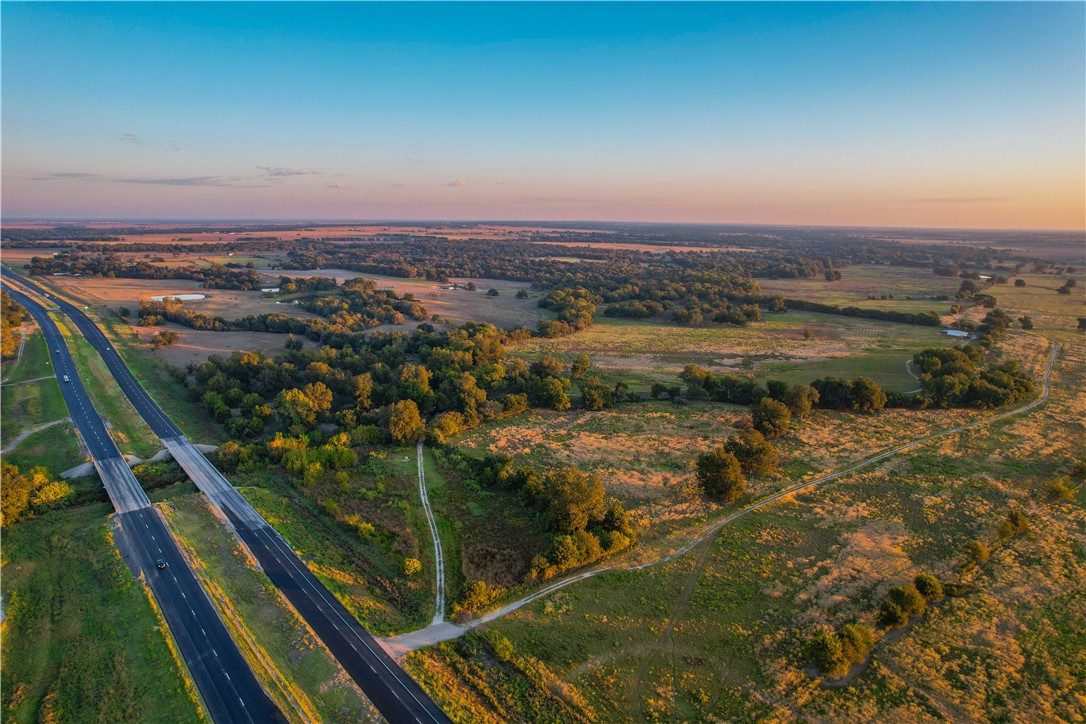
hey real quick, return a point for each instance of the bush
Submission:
(411, 566)
(977, 552)
(929, 587)
(856, 641)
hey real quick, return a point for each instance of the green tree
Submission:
(976, 552)
(909, 599)
(867, 396)
(595, 395)
(755, 454)
(771, 418)
(720, 475)
(800, 399)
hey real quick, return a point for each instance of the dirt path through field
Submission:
(24, 435)
(402, 644)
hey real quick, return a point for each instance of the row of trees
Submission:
(12, 316)
(30, 493)
(215, 276)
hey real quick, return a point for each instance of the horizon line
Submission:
(507, 222)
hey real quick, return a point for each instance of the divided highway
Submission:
(396, 695)
(226, 684)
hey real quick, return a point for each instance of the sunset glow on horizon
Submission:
(920, 115)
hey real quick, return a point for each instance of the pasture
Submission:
(641, 352)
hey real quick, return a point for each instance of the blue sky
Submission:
(896, 114)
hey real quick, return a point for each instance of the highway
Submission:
(223, 678)
(396, 695)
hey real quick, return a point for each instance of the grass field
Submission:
(641, 352)
(720, 633)
(29, 404)
(302, 677)
(125, 425)
(912, 288)
(81, 641)
(55, 448)
(364, 569)
(33, 363)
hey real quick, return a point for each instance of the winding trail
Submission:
(27, 433)
(435, 633)
(439, 555)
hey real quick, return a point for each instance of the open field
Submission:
(641, 352)
(55, 448)
(291, 663)
(459, 305)
(29, 404)
(91, 647)
(355, 536)
(33, 363)
(861, 281)
(196, 345)
(721, 632)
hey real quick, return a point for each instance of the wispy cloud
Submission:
(458, 183)
(284, 172)
(73, 175)
(231, 181)
(132, 138)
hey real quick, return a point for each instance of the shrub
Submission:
(856, 641)
(411, 566)
(977, 552)
(929, 587)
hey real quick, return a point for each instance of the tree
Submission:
(929, 587)
(771, 418)
(867, 396)
(1019, 282)
(362, 389)
(546, 366)
(411, 566)
(549, 392)
(909, 599)
(755, 454)
(492, 292)
(595, 395)
(580, 366)
(720, 475)
(404, 422)
(573, 499)
(1026, 322)
(1082, 324)
(522, 294)
(826, 654)
(891, 615)
(800, 399)
(856, 641)
(445, 426)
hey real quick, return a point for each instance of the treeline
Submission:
(215, 276)
(12, 315)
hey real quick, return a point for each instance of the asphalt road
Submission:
(226, 684)
(395, 694)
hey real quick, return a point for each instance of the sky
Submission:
(913, 114)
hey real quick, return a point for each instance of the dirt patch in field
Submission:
(197, 345)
